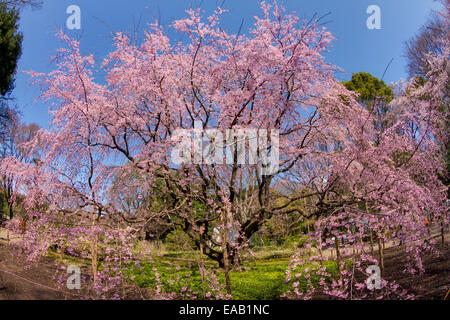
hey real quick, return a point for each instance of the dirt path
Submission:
(433, 284)
(38, 281)
(32, 284)
(8, 236)
(19, 284)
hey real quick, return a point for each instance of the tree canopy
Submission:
(369, 88)
(10, 47)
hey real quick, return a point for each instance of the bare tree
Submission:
(428, 40)
(19, 4)
(11, 142)
(5, 117)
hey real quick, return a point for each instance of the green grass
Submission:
(261, 276)
(259, 279)
(264, 280)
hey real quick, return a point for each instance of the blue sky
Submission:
(356, 49)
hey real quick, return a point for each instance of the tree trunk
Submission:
(338, 257)
(202, 263)
(94, 261)
(381, 256)
(95, 257)
(338, 252)
(11, 210)
(371, 243)
(226, 265)
(320, 251)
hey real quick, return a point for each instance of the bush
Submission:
(178, 240)
(302, 240)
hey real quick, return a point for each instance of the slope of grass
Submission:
(259, 279)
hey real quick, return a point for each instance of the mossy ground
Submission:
(260, 278)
